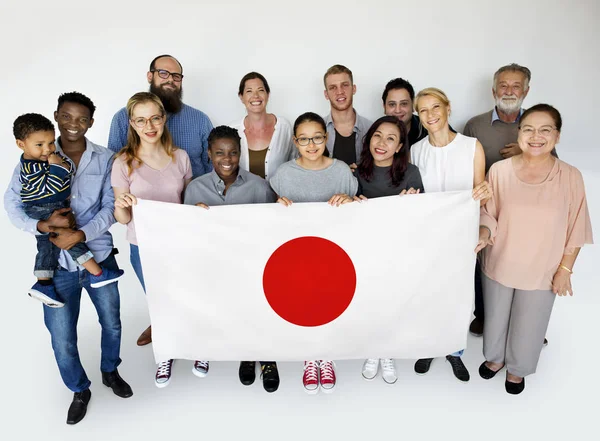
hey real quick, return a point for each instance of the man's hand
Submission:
(61, 218)
(66, 238)
(511, 150)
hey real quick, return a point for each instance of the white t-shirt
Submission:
(448, 168)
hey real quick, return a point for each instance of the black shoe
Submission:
(459, 369)
(78, 406)
(117, 384)
(476, 327)
(545, 343)
(486, 373)
(270, 376)
(422, 365)
(247, 372)
(514, 388)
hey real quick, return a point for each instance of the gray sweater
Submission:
(301, 185)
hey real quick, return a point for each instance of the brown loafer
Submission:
(146, 337)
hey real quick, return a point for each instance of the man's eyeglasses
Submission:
(316, 140)
(544, 131)
(164, 74)
(156, 120)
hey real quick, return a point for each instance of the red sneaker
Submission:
(310, 379)
(327, 374)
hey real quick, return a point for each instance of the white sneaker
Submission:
(370, 368)
(388, 370)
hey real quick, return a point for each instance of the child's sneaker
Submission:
(45, 294)
(200, 368)
(310, 379)
(163, 373)
(327, 375)
(108, 276)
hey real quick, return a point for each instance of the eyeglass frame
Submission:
(170, 74)
(162, 119)
(538, 131)
(311, 140)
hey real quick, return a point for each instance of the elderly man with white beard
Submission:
(497, 131)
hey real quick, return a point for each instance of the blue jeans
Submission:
(136, 263)
(62, 324)
(46, 259)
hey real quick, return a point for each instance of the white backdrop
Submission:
(103, 50)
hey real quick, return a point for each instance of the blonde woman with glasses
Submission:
(149, 167)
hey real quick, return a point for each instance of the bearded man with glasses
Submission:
(188, 126)
(497, 131)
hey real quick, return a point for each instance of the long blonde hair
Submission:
(131, 149)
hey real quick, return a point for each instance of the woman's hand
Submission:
(284, 201)
(359, 198)
(483, 192)
(484, 238)
(339, 199)
(202, 205)
(561, 283)
(410, 191)
(125, 200)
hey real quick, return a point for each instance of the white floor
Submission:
(560, 400)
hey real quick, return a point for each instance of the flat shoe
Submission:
(514, 388)
(486, 373)
(146, 337)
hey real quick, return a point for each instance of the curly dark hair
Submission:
(223, 132)
(76, 97)
(30, 123)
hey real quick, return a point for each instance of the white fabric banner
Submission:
(413, 259)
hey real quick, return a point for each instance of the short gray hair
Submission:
(514, 67)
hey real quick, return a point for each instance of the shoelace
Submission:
(372, 363)
(327, 370)
(164, 369)
(202, 364)
(267, 369)
(387, 364)
(311, 372)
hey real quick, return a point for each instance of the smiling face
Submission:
(255, 97)
(37, 146)
(73, 120)
(307, 130)
(510, 91)
(339, 91)
(538, 134)
(433, 113)
(384, 143)
(399, 104)
(225, 156)
(154, 122)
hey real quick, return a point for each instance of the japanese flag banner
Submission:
(385, 278)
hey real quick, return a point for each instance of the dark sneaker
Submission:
(270, 376)
(200, 368)
(45, 294)
(459, 369)
(422, 365)
(247, 372)
(476, 327)
(163, 373)
(108, 276)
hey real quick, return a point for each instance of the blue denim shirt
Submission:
(189, 129)
(92, 202)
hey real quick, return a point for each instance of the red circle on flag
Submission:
(309, 281)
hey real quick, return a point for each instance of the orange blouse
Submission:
(533, 225)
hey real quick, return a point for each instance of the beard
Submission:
(171, 99)
(509, 104)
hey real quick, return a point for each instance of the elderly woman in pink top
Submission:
(531, 231)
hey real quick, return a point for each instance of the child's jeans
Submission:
(46, 259)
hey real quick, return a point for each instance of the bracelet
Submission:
(565, 268)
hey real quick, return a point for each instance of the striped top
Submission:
(43, 183)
